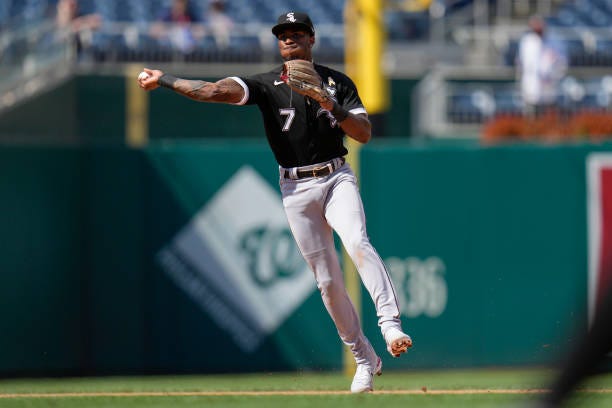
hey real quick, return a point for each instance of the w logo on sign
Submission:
(291, 17)
(236, 259)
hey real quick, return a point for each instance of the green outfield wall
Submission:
(488, 247)
(177, 257)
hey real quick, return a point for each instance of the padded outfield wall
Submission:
(177, 257)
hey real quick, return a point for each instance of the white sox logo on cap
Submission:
(293, 19)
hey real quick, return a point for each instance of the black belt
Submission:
(321, 170)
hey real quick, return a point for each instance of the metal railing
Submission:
(452, 103)
(116, 42)
(33, 58)
(491, 43)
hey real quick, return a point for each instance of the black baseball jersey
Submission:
(299, 131)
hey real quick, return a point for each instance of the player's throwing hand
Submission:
(148, 82)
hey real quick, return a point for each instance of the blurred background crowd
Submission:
(482, 60)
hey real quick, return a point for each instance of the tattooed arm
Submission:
(223, 91)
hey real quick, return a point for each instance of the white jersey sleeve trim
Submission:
(357, 111)
(244, 86)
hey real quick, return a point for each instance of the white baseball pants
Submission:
(315, 206)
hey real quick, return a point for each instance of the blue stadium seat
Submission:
(510, 52)
(604, 45)
(567, 17)
(241, 48)
(207, 43)
(594, 16)
(603, 51)
(576, 52)
(596, 94)
(470, 106)
(35, 10)
(407, 26)
(106, 46)
(507, 100)
(106, 9)
(329, 49)
(583, 6)
(553, 21)
(87, 6)
(16, 8)
(5, 11)
(264, 11)
(604, 5)
(244, 42)
(145, 48)
(460, 109)
(275, 7)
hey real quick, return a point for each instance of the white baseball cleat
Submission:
(397, 341)
(364, 376)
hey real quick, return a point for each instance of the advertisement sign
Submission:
(599, 206)
(237, 260)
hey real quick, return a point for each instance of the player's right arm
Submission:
(225, 90)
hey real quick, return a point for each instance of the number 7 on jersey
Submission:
(290, 113)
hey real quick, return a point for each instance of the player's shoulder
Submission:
(337, 76)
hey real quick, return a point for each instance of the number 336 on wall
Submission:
(421, 285)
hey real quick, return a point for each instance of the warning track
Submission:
(282, 393)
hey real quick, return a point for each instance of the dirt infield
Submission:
(283, 393)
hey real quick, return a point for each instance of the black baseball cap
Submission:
(293, 19)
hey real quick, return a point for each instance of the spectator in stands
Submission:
(219, 23)
(75, 24)
(179, 26)
(541, 64)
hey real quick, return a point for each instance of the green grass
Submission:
(511, 380)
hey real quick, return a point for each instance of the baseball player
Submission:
(307, 109)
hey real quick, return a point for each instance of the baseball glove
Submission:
(301, 76)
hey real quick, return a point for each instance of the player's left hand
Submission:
(301, 76)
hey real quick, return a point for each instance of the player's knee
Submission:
(316, 257)
(329, 287)
(356, 238)
(358, 250)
